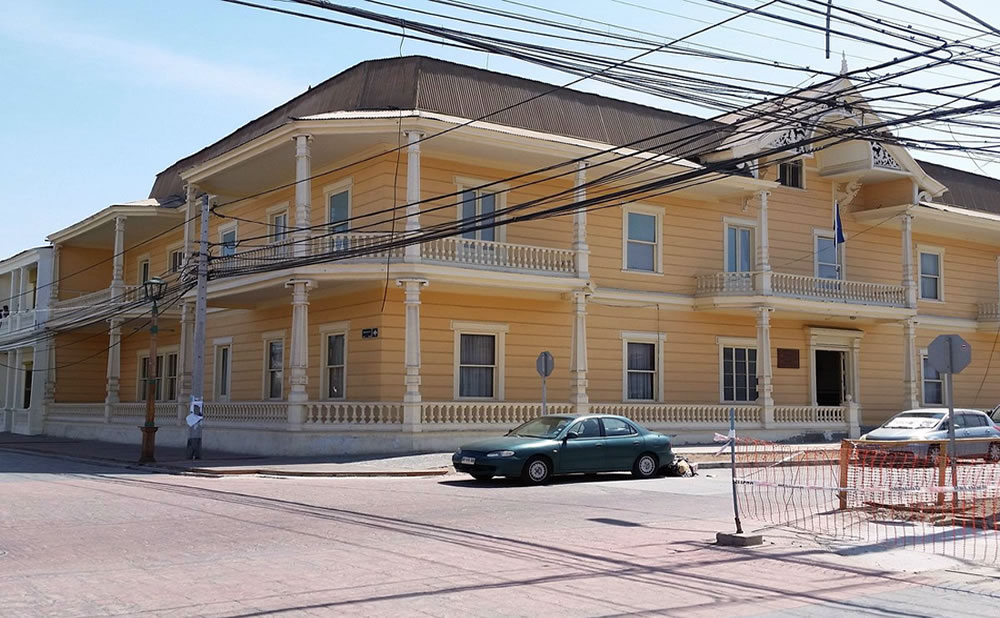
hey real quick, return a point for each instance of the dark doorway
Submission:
(829, 378)
(27, 386)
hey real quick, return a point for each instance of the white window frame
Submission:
(163, 352)
(841, 249)
(225, 229)
(657, 339)
(728, 222)
(734, 342)
(143, 259)
(171, 251)
(655, 212)
(341, 186)
(499, 191)
(499, 332)
(272, 213)
(939, 252)
(802, 162)
(923, 393)
(267, 339)
(217, 345)
(325, 331)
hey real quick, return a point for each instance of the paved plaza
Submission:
(81, 539)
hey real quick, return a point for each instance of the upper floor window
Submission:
(792, 174)
(227, 240)
(176, 260)
(478, 208)
(931, 286)
(739, 248)
(338, 211)
(829, 257)
(143, 271)
(278, 222)
(642, 240)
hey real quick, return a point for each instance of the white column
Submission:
(118, 261)
(185, 355)
(15, 291)
(909, 281)
(6, 418)
(412, 252)
(39, 379)
(412, 398)
(910, 381)
(763, 246)
(299, 361)
(578, 355)
(765, 370)
(54, 285)
(114, 367)
(580, 248)
(303, 195)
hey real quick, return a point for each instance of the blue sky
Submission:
(101, 95)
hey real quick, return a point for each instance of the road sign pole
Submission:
(732, 467)
(952, 449)
(545, 409)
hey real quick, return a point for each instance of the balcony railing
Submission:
(18, 321)
(371, 247)
(801, 286)
(989, 312)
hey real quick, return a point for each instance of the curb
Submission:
(112, 463)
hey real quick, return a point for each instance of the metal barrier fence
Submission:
(878, 495)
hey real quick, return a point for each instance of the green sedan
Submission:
(567, 444)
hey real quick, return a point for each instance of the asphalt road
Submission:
(84, 540)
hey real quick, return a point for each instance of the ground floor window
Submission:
(336, 365)
(479, 360)
(165, 377)
(933, 384)
(274, 379)
(739, 374)
(223, 371)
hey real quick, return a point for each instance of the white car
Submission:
(973, 433)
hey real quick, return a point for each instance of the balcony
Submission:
(800, 287)
(355, 247)
(82, 305)
(17, 322)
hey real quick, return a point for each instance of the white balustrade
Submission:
(162, 409)
(499, 255)
(353, 413)
(486, 412)
(245, 411)
(649, 413)
(810, 414)
(989, 311)
(802, 286)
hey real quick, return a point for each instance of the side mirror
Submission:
(571, 435)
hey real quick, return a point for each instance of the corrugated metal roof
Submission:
(965, 189)
(428, 84)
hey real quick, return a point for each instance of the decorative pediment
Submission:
(882, 158)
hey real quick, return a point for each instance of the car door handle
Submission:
(636, 442)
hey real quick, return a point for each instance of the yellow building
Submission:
(332, 330)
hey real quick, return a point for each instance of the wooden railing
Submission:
(801, 286)
(989, 311)
(709, 414)
(499, 255)
(353, 413)
(486, 412)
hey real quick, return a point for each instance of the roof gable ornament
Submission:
(881, 157)
(843, 63)
(793, 137)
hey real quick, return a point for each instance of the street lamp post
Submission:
(153, 291)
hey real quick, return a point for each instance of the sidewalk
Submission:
(214, 463)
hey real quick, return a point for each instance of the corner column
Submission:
(765, 371)
(909, 281)
(303, 195)
(580, 248)
(910, 383)
(578, 355)
(40, 368)
(118, 261)
(54, 285)
(411, 398)
(15, 293)
(298, 379)
(114, 367)
(185, 356)
(412, 252)
(763, 246)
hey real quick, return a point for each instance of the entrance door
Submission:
(829, 377)
(27, 385)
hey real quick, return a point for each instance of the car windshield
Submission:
(914, 420)
(542, 427)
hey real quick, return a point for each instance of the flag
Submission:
(838, 227)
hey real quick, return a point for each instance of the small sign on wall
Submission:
(369, 333)
(788, 358)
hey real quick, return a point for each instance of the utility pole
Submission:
(196, 415)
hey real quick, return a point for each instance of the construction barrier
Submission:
(878, 494)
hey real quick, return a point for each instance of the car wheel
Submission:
(933, 452)
(993, 454)
(536, 471)
(482, 477)
(645, 466)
